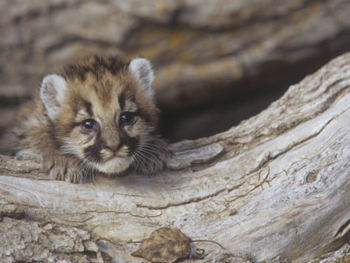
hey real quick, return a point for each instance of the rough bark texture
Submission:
(273, 188)
(204, 51)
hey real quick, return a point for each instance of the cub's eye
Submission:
(127, 117)
(88, 124)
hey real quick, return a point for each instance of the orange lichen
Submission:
(185, 56)
(314, 7)
(150, 35)
(161, 6)
(176, 39)
(220, 51)
(201, 69)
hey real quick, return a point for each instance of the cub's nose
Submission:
(113, 148)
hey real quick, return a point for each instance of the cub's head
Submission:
(102, 111)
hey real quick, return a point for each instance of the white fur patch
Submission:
(115, 165)
(141, 69)
(28, 155)
(52, 93)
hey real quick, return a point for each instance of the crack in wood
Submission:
(343, 229)
(262, 164)
(270, 157)
(192, 200)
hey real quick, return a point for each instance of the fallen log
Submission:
(275, 186)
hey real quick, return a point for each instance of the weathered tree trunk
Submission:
(276, 186)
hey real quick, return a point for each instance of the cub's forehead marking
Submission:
(88, 107)
(84, 109)
(82, 115)
(130, 106)
(104, 91)
(121, 100)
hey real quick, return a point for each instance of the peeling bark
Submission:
(274, 187)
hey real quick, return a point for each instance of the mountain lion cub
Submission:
(95, 116)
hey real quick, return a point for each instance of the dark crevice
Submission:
(15, 214)
(342, 228)
(242, 100)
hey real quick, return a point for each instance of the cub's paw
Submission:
(64, 168)
(28, 155)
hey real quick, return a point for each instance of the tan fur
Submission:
(98, 89)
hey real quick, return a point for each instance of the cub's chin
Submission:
(113, 165)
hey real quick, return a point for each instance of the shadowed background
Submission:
(217, 62)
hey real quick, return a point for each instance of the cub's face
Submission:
(102, 111)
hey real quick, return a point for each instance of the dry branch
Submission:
(274, 186)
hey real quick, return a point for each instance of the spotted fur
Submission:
(95, 116)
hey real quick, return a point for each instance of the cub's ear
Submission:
(141, 70)
(52, 93)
